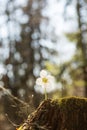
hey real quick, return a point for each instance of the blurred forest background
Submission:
(36, 35)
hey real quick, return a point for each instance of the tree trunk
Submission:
(81, 43)
(61, 114)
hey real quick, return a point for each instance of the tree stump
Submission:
(61, 114)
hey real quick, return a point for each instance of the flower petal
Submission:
(45, 85)
(39, 81)
(50, 78)
(43, 73)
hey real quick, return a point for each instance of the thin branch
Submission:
(7, 92)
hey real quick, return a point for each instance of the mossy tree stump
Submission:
(61, 114)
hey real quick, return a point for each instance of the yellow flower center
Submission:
(45, 80)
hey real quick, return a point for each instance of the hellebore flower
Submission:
(44, 80)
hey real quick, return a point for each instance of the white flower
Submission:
(45, 79)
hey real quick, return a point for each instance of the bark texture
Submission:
(61, 114)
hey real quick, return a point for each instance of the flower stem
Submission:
(45, 93)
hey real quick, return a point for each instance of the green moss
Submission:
(71, 104)
(73, 113)
(69, 113)
(67, 101)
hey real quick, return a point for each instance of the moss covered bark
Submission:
(61, 114)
